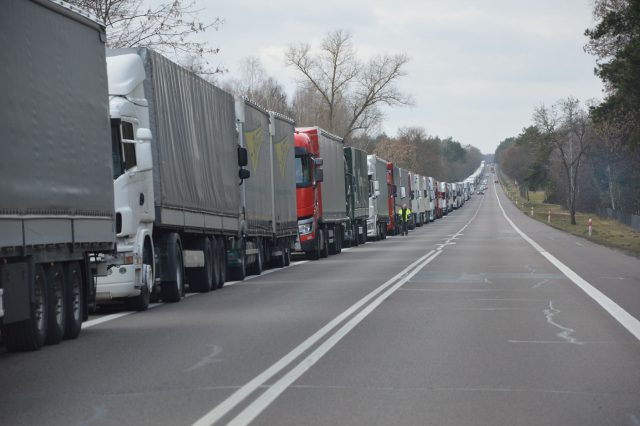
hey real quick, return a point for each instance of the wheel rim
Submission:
(179, 275)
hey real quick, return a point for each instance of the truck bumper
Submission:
(372, 230)
(121, 281)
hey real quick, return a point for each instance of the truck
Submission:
(56, 202)
(321, 203)
(268, 200)
(393, 192)
(419, 202)
(430, 185)
(378, 198)
(356, 180)
(177, 166)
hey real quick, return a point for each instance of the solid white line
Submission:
(107, 318)
(237, 397)
(261, 403)
(620, 315)
(241, 394)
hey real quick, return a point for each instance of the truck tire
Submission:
(29, 335)
(56, 299)
(279, 261)
(73, 294)
(239, 273)
(324, 248)
(173, 289)
(287, 253)
(316, 253)
(333, 247)
(221, 259)
(363, 236)
(257, 266)
(201, 279)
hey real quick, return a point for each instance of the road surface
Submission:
(483, 317)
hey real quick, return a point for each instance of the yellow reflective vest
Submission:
(404, 217)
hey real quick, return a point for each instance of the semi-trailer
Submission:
(378, 198)
(186, 211)
(268, 200)
(56, 188)
(430, 186)
(357, 196)
(420, 200)
(320, 189)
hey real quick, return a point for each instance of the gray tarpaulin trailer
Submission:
(56, 188)
(195, 174)
(269, 196)
(357, 195)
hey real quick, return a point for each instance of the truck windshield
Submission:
(116, 150)
(303, 171)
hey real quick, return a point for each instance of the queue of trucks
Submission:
(130, 179)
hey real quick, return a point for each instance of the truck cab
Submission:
(311, 238)
(131, 274)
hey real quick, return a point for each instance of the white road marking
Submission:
(619, 314)
(111, 317)
(263, 401)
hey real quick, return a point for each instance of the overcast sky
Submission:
(477, 69)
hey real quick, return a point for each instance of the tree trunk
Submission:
(612, 197)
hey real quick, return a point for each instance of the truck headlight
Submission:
(305, 228)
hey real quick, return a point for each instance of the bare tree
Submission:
(567, 130)
(168, 27)
(343, 83)
(254, 83)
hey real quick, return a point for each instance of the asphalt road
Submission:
(463, 322)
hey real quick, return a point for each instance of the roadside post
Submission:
(590, 223)
(549, 216)
(531, 211)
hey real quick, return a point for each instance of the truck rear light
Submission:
(128, 259)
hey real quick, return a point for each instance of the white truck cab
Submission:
(130, 275)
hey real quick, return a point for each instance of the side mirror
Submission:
(318, 161)
(243, 157)
(319, 175)
(403, 192)
(244, 174)
(395, 191)
(376, 187)
(354, 182)
(144, 159)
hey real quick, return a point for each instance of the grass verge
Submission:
(605, 231)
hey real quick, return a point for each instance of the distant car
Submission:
(495, 181)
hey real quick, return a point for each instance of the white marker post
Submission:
(531, 211)
(590, 222)
(549, 216)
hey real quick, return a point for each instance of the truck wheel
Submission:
(257, 266)
(363, 236)
(201, 279)
(221, 258)
(316, 253)
(29, 335)
(173, 290)
(324, 249)
(239, 272)
(280, 261)
(57, 305)
(287, 253)
(333, 247)
(73, 294)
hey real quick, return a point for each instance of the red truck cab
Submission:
(308, 193)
